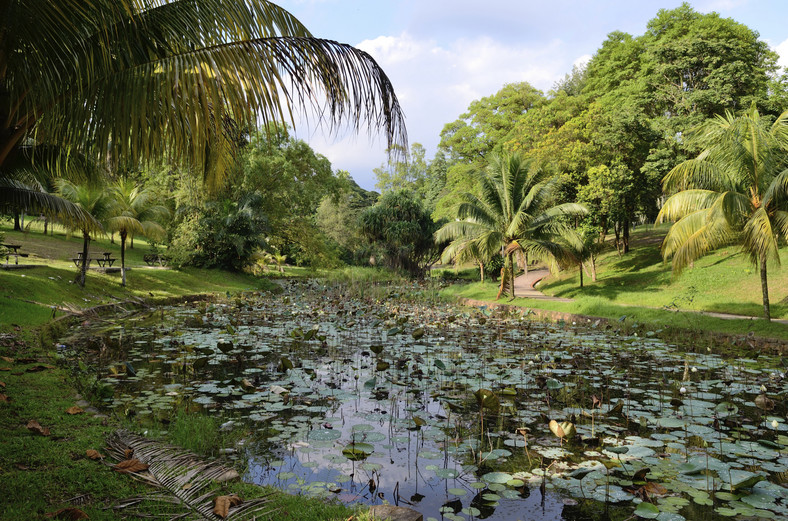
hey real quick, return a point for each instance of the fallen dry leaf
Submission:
(75, 410)
(21, 467)
(69, 513)
(4, 398)
(128, 453)
(93, 454)
(5, 368)
(2, 384)
(7, 359)
(39, 367)
(222, 504)
(131, 465)
(36, 427)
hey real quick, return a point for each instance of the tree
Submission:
(402, 228)
(132, 212)
(734, 192)
(122, 82)
(402, 174)
(483, 129)
(92, 199)
(512, 213)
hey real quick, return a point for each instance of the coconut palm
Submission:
(734, 192)
(132, 212)
(513, 213)
(94, 200)
(123, 81)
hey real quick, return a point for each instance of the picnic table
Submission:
(103, 261)
(14, 251)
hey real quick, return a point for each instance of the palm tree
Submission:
(513, 213)
(123, 81)
(734, 192)
(132, 212)
(92, 199)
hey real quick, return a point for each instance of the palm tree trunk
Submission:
(581, 274)
(511, 267)
(481, 271)
(123, 259)
(765, 289)
(84, 269)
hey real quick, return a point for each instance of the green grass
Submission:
(641, 287)
(724, 281)
(34, 296)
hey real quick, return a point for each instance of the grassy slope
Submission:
(641, 287)
(42, 474)
(27, 296)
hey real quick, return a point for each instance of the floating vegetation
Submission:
(465, 413)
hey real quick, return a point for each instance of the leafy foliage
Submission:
(224, 234)
(402, 229)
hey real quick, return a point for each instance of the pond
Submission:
(462, 413)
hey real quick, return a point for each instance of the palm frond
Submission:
(17, 195)
(684, 203)
(191, 482)
(759, 238)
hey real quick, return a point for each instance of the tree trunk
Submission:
(765, 289)
(84, 268)
(17, 228)
(625, 233)
(123, 259)
(511, 267)
(481, 271)
(46, 223)
(581, 274)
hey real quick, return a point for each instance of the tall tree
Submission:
(734, 192)
(94, 200)
(483, 129)
(402, 228)
(513, 212)
(133, 212)
(126, 81)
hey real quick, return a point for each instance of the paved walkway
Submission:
(524, 286)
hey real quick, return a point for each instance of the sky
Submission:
(443, 54)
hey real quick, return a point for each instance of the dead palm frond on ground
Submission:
(188, 486)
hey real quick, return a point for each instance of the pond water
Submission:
(463, 414)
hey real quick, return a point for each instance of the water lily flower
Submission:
(694, 369)
(775, 424)
(683, 390)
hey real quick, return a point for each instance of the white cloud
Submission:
(435, 84)
(782, 50)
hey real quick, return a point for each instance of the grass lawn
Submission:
(641, 287)
(34, 296)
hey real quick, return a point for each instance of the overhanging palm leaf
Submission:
(191, 483)
(18, 195)
(146, 80)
